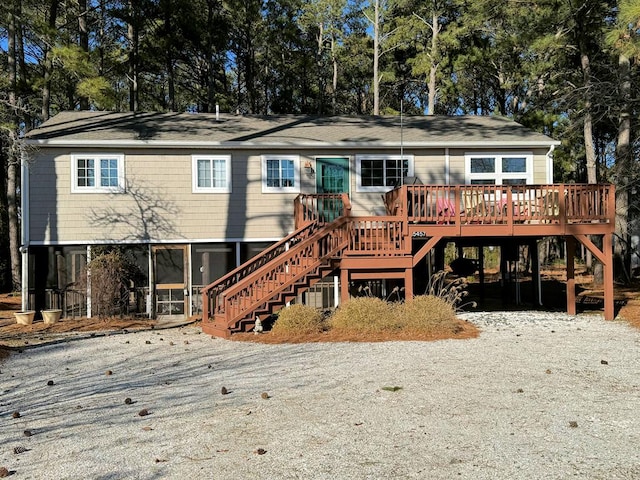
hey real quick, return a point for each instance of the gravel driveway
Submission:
(535, 396)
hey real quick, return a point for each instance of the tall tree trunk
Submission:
(171, 85)
(624, 171)
(132, 37)
(433, 68)
(83, 41)
(334, 82)
(48, 64)
(5, 263)
(13, 178)
(590, 152)
(13, 157)
(319, 66)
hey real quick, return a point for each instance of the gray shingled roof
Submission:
(198, 129)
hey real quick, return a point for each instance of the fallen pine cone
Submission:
(18, 450)
(15, 414)
(4, 472)
(224, 390)
(128, 401)
(143, 413)
(265, 395)
(108, 372)
(50, 383)
(27, 433)
(573, 424)
(260, 451)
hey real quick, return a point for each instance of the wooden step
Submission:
(215, 330)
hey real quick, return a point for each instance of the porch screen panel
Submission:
(170, 266)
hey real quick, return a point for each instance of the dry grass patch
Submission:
(298, 319)
(364, 315)
(368, 319)
(427, 314)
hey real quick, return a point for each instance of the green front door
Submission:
(332, 176)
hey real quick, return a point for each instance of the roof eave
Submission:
(59, 143)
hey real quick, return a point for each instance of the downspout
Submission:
(550, 164)
(24, 230)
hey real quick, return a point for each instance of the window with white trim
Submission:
(381, 173)
(93, 173)
(499, 169)
(280, 174)
(211, 173)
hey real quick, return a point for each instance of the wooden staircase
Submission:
(278, 275)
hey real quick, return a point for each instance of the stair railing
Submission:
(282, 272)
(307, 223)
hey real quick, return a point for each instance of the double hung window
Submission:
(280, 174)
(211, 173)
(97, 173)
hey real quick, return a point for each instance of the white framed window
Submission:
(280, 174)
(211, 173)
(381, 173)
(511, 168)
(97, 173)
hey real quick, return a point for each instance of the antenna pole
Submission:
(401, 147)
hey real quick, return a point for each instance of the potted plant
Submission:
(25, 317)
(51, 315)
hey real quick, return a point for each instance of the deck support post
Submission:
(571, 282)
(344, 285)
(535, 272)
(481, 270)
(607, 251)
(408, 283)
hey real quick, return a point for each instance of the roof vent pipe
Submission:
(217, 112)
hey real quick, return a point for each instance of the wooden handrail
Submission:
(281, 272)
(264, 257)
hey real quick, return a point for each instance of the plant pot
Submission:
(51, 316)
(26, 317)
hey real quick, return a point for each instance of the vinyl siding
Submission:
(159, 205)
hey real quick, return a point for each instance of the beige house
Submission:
(192, 196)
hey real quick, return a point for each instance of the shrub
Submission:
(451, 292)
(298, 319)
(427, 314)
(364, 315)
(112, 274)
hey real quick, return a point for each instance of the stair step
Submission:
(215, 330)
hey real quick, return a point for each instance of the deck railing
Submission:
(500, 204)
(322, 208)
(378, 236)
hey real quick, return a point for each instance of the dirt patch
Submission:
(15, 335)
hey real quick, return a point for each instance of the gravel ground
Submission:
(535, 396)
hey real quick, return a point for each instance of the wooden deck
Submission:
(418, 217)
